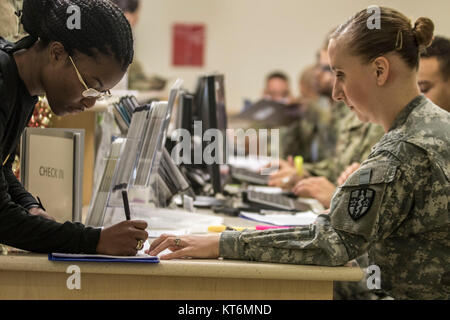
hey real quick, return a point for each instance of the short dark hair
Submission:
(277, 74)
(440, 48)
(104, 28)
(127, 5)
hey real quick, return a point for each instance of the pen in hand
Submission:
(126, 205)
(40, 204)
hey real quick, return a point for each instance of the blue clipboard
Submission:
(94, 258)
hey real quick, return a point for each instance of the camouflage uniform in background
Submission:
(138, 80)
(10, 27)
(395, 207)
(355, 141)
(310, 136)
(339, 111)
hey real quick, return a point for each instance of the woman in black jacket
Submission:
(75, 52)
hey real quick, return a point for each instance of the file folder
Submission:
(102, 258)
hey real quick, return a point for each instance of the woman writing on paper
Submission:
(75, 52)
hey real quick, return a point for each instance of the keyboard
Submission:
(246, 175)
(272, 201)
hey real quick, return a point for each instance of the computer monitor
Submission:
(184, 118)
(213, 115)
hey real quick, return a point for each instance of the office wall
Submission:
(246, 39)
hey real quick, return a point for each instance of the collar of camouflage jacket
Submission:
(404, 114)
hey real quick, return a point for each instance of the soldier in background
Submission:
(309, 136)
(277, 88)
(329, 126)
(356, 140)
(434, 72)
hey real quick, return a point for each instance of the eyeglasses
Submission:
(90, 92)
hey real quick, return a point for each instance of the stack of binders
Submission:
(171, 180)
(123, 112)
(99, 202)
(143, 164)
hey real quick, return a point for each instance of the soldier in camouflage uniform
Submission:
(396, 205)
(355, 141)
(309, 136)
(316, 135)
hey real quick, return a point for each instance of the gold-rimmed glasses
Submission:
(90, 92)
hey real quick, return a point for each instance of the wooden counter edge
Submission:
(187, 268)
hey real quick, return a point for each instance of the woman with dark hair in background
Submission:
(73, 67)
(396, 205)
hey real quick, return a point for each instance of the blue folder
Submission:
(100, 258)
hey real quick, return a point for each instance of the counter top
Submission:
(186, 268)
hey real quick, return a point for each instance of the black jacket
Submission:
(18, 228)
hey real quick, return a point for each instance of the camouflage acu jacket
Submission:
(355, 141)
(310, 136)
(395, 207)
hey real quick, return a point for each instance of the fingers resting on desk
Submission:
(188, 246)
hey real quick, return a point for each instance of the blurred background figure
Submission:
(136, 78)
(275, 110)
(307, 84)
(434, 72)
(315, 135)
(277, 88)
(309, 136)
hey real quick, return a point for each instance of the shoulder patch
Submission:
(360, 202)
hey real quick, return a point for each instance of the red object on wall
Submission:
(188, 44)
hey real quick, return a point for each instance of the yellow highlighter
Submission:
(298, 161)
(222, 228)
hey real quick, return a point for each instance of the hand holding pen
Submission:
(124, 238)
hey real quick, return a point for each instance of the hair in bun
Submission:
(394, 34)
(423, 32)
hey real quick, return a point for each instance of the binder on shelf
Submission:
(96, 214)
(123, 112)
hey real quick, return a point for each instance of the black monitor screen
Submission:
(221, 114)
(213, 115)
(184, 114)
